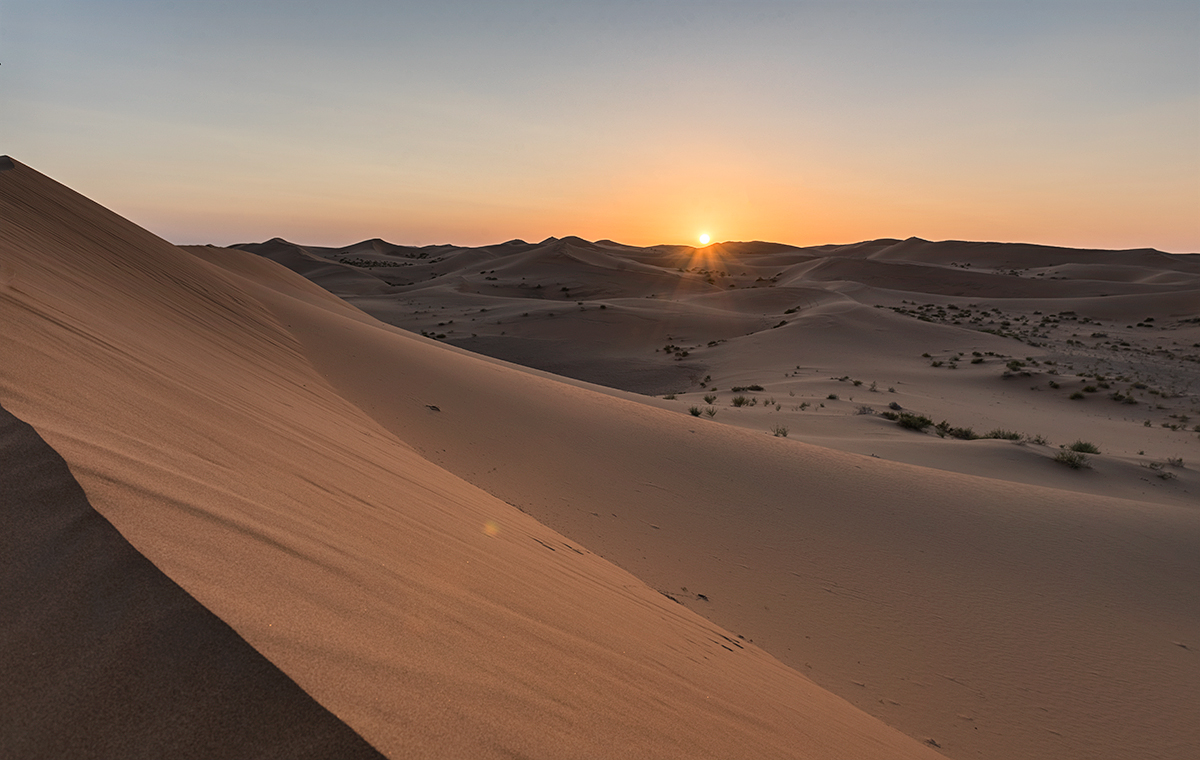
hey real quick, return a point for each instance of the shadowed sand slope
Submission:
(431, 617)
(101, 655)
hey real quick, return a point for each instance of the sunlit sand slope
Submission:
(1019, 609)
(431, 617)
(104, 656)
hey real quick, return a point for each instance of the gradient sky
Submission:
(1067, 123)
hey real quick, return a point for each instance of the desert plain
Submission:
(579, 499)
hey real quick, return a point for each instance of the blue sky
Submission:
(1068, 123)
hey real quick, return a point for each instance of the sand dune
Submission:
(431, 617)
(106, 657)
(459, 557)
(971, 603)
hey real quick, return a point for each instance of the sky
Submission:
(1062, 122)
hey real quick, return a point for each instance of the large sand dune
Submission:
(431, 617)
(458, 557)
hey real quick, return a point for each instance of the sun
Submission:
(704, 238)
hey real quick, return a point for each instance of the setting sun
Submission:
(704, 238)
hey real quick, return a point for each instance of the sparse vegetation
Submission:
(710, 399)
(944, 429)
(741, 401)
(711, 411)
(780, 431)
(694, 411)
(1003, 435)
(1072, 459)
(832, 397)
(864, 410)
(1084, 447)
(912, 421)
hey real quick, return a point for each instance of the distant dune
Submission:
(254, 456)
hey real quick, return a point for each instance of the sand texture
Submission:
(458, 556)
(429, 616)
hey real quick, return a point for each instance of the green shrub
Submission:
(1084, 447)
(913, 421)
(1072, 459)
(1004, 435)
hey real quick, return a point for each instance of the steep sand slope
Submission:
(431, 617)
(1001, 620)
(104, 656)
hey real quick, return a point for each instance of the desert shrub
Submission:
(740, 388)
(694, 411)
(1003, 435)
(1077, 395)
(889, 416)
(832, 397)
(864, 410)
(1039, 439)
(670, 397)
(780, 431)
(913, 421)
(740, 401)
(710, 398)
(711, 411)
(857, 383)
(1090, 389)
(1175, 461)
(1084, 447)
(1072, 459)
(962, 433)
(894, 406)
